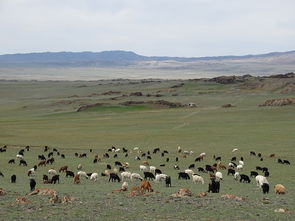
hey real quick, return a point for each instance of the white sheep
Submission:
(235, 149)
(186, 152)
(94, 177)
(160, 177)
(153, 169)
(241, 162)
(189, 171)
(79, 167)
(125, 175)
(84, 174)
(231, 165)
(260, 180)
(117, 150)
(240, 167)
(52, 172)
(142, 168)
(136, 176)
(218, 176)
(237, 176)
(202, 154)
(124, 186)
(19, 156)
(136, 148)
(198, 179)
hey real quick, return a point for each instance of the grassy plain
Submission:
(44, 113)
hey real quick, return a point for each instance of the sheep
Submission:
(202, 154)
(32, 184)
(31, 172)
(237, 175)
(135, 176)
(183, 175)
(124, 186)
(234, 150)
(244, 178)
(265, 188)
(241, 163)
(52, 172)
(13, 178)
(279, 189)
(114, 177)
(142, 168)
(168, 181)
(198, 179)
(230, 171)
(253, 174)
(82, 173)
(126, 174)
(240, 167)
(160, 177)
(19, 156)
(218, 176)
(79, 167)
(94, 177)
(260, 180)
(189, 171)
(149, 175)
(179, 149)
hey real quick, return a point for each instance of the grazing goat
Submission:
(55, 179)
(214, 186)
(77, 179)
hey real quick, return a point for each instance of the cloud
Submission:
(154, 27)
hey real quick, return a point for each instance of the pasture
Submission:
(45, 113)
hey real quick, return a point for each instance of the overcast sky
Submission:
(190, 28)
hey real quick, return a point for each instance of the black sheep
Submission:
(32, 184)
(148, 175)
(253, 174)
(55, 179)
(265, 188)
(183, 175)
(168, 181)
(231, 171)
(69, 173)
(244, 178)
(214, 186)
(13, 178)
(114, 177)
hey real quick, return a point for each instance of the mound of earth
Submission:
(86, 107)
(161, 103)
(136, 94)
(230, 79)
(111, 92)
(288, 75)
(279, 102)
(289, 89)
(227, 105)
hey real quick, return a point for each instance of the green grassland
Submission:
(45, 113)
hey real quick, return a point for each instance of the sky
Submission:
(188, 28)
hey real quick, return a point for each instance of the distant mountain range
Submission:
(131, 59)
(127, 64)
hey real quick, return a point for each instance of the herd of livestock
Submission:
(117, 171)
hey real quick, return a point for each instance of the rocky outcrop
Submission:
(279, 102)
